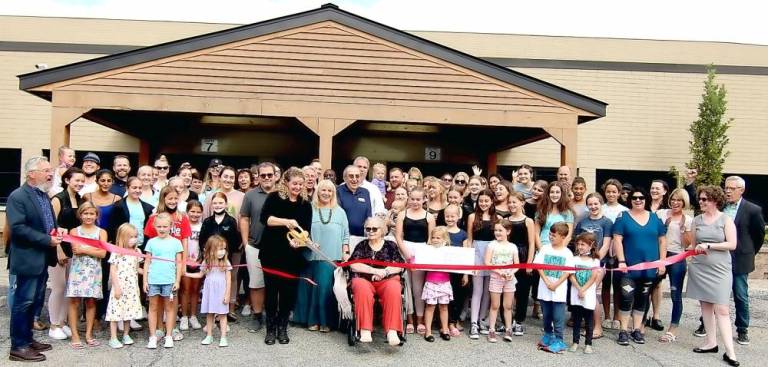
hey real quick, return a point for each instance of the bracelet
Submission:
(622, 261)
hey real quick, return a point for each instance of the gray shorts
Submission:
(255, 274)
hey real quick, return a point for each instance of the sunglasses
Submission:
(161, 168)
(353, 176)
(638, 198)
(447, 179)
(460, 182)
(266, 175)
(371, 229)
(704, 199)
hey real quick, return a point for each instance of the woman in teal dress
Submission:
(316, 305)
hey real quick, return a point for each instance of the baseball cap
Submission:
(215, 162)
(91, 156)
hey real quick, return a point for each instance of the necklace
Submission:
(320, 214)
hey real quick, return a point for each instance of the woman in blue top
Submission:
(315, 305)
(553, 207)
(638, 236)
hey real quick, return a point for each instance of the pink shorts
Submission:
(498, 284)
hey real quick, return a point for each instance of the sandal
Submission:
(421, 329)
(93, 343)
(409, 329)
(668, 338)
(76, 345)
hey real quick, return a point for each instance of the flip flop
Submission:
(76, 345)
(93, 343)
(667, 338)
(409, 329)
(421, 329)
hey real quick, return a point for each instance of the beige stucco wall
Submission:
(648, 113)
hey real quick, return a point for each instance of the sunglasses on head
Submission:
(371, 229)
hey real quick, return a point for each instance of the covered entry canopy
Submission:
(296, 82)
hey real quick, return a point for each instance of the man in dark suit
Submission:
(750, 232)
(32, 250)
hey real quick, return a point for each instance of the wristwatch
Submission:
(386, 273)
(709, 245)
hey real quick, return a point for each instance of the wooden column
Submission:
(492, 163)
(567, 137)
(326, 129)
(61, 119)
(144, 152)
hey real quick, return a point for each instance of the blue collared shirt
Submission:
(357, 206)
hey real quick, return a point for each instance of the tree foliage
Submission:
(709, 133)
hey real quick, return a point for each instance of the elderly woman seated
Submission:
(368, 280)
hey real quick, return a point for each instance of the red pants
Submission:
(388, 291)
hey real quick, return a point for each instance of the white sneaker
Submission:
(168, 342)
(246, 310)
(57, 333)
(67, 331)
(177, 335)
(194, 323)
(184, 323)
(365, 336)
(392, 338)
(135, 325)
(152, 344)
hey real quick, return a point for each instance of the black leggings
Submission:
(280, 296)
(588, 316)
(635, 293)
(522, 289)
(459, 297)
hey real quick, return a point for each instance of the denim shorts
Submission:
(162, 290)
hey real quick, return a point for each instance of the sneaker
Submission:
(177, 335)
(223, 342)
(365, 336)
(256, 324)
(194, 323)
(700, 332)
(152, 343)
(588, 349)
(135, 325)
(623, 338)
(168, 342)
(392, 338)
(508, 336)
(207, 340)
(57, 333)
(574, 348)
(474, 333)
(246, 310)
(484, 327)
(184, 323)
(115, 344)
(67, 331)
(127, 340)
(518, 330)
(743, 338)
(637, 336)
(492, 336)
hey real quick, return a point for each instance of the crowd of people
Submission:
(209, 233)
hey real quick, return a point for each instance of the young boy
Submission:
(380, 177)
(162, 277)
(459, 282)
(553, 287)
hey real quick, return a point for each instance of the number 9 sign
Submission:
(432, 154)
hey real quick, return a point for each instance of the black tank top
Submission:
(415, 230)
(503, 213)
(519, 237)
(485, 232)
(67, 216)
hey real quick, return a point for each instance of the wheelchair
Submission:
(349, 326)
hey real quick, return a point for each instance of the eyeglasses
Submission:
(731, 188)
(161, 167)
(447, 179)
(703, 198)
(460, 182)
(353, 176)
(371, 229)
(638, 198)
(266, 175)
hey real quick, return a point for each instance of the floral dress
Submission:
(85, 273)
(128, 306)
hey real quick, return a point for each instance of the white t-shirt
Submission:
(582, 276)
(551, 256)
(674, 235)
(377, 201)
(612, 211)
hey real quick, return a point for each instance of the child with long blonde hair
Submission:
(216, 287)
(124, 304)
(501, 252)
(437, 289)
(84, 280)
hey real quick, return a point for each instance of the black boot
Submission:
(282, 331)
(271, 330)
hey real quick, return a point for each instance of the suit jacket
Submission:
(30, 250)
(121, 215)
(750, 232)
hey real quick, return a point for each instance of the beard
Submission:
(45, 186)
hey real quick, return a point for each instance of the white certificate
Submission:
(446, 255)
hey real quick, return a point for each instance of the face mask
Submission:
(171, 210)
(220, 253)
(132, 242)
(584, 253)
(219, 212)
